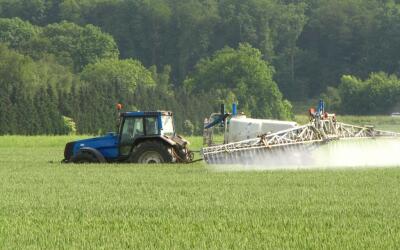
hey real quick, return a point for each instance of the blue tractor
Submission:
(143, 137)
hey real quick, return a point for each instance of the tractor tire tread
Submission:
(85, 157)
(154, 145)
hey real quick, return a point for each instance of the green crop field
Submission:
(47, 205)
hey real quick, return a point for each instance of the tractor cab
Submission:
(143, 137)
(137, 126)
(133, 124)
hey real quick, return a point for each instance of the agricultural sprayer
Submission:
(256, 141)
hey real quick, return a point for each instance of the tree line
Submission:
(188, 56)
(64, 72)
(310, 43)
(379, 93)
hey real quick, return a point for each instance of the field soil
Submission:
(48, 205)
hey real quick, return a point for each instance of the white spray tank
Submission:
(240, 128)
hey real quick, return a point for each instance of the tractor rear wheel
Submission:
(151, 152)
(85, 157)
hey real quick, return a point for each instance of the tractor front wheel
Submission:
(85, 157)
(151, 152)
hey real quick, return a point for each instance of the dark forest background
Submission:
(66, 63)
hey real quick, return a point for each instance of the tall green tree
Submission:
(17, 34)
(7, 116)
(243, 74)
(378, 94)
(31, 10)
(107, 83)
(83, 45)
(289, 25)
(339, 39)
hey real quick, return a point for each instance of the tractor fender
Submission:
(164, 139)
(95, 152)
(168, 140)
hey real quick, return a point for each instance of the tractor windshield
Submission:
(167, 125)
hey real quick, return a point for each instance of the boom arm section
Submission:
(316, 132)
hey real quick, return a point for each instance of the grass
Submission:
(44, 204)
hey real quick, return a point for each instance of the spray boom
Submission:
(323, 128)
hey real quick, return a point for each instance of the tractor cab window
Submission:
(133, 127)
(167, 125)
(151, 125)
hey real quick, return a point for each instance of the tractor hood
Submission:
(107, 145)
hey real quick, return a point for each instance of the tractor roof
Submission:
(147, 113)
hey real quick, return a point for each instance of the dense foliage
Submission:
(75, 72)
(378, 94)
(188, 56)
(241, 75)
